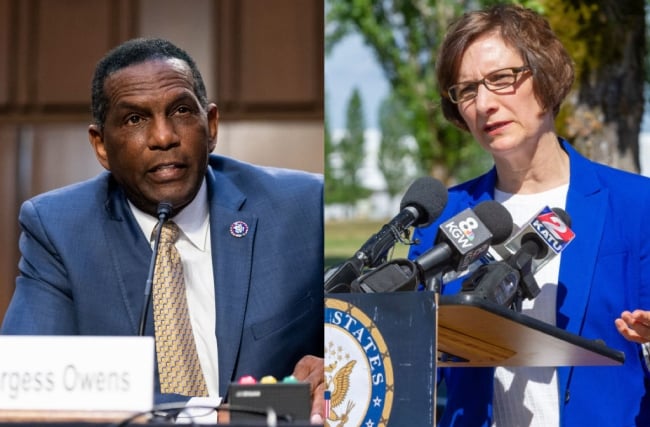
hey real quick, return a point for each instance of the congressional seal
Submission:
(358, 368)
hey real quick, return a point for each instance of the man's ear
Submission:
(213, 126)
(96, 138)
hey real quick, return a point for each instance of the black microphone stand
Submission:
(506, 283)
(163, 212)
(397, 275)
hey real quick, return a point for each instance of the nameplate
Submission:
(76, 373)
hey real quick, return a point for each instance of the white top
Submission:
(529, 396)
(195, 250)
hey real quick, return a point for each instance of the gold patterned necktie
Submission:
(178, 362)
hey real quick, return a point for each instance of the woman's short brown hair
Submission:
(522, 29)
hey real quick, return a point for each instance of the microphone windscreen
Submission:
(496, 218)
(563, 215)
(428, 196)
(164, 208)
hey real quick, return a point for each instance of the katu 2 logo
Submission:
(552, 229)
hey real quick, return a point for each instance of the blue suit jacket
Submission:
(605, 270)
(85, 262)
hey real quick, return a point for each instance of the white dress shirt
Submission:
(529, 396)
(195, 251)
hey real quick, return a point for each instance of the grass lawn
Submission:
(344, 238)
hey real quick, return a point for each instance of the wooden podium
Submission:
(478, 333)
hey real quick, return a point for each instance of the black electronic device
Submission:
(291, 402)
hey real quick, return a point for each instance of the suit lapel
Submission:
(588, 202)
(130, 255)
(232, 234)
(482, 189)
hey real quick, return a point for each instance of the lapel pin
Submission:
(238, 229)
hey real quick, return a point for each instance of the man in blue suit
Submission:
(502, 76)
(251, 237)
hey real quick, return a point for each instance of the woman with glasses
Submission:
(502, 75)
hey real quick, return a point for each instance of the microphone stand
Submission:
(506, 283)
(163, 212)
(497, 282)
(397, 275)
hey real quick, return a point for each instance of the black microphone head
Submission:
(534, 245)
(164, 210)
(428, 196)
(563, 215)
(496, 218)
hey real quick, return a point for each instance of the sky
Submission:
(352, 64)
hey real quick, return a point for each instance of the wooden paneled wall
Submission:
(49, 52)
(268, 66)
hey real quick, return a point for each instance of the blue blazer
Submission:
(85, 262)
(604, 271)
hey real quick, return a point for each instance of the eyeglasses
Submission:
(496, 80)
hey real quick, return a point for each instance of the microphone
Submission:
(500, 252)
(465, 238)
(422, 204)
(163, 212)
(511, 280)
(546, 235)
(461, 240)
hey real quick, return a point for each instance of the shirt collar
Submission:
(193, 220)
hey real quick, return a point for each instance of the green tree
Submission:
(397, 159)
(332, 180)
(345, 185)
(404, 36)
(607, 40)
